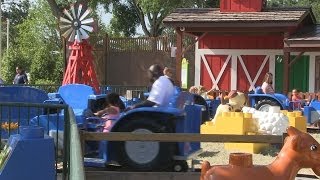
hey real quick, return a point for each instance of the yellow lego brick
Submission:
(207, 128)
(231, 123)
(254, 148)
(297, 120)
(284, 112)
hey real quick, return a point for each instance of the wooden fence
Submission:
(179, 137)
(146, 44)
(166, 137)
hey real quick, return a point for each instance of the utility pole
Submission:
(0, 37)
(8, 33)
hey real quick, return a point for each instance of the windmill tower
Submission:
(75, 27)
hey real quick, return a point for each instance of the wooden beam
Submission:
(300, 49)
(286, 60)
(303, 43)
(236, 29)
(95, 174)
(189, 47)
(295, 59)
(279, 24)
(180, 137)
(178, 56)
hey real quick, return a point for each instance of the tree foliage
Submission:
(297, 3)
(16, 11)
(37, 47)
(129, 14)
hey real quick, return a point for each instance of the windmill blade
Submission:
(84, 34)
(87, 28)
(78, 36)
(65, 20)
(85, 14)
(64, 27)
(67, 33)
(79, 10)
(71, 38)
(73, 11)
(87, 21)
(65, 12)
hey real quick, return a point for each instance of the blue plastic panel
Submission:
(76, 95)
(29, 159)
(20, 94)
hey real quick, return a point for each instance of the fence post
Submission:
(76, 169)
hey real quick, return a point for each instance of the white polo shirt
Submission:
(162, 91)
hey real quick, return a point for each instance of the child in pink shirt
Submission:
(298, 101)
(267, 84)
(111, 112)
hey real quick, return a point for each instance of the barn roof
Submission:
(308, 33)
(306, 37)
(212, 17)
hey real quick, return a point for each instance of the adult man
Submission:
(162, 89)
(21, 76)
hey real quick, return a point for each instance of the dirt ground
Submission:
(216, 154)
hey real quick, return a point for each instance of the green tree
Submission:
(297, 3)
(37, 47)
(16, 12)
(129, 14)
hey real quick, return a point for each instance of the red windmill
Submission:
(74, 26)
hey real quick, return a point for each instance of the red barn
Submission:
(238, 43)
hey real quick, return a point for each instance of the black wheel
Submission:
(144, 155)
(201, 101)
(265, 104)
(180, 166)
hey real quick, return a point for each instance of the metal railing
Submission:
(120, 89)
(13, 115)
(45, 87)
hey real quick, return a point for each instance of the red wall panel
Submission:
(240, 5)
(215, 63)
(252, 64)
(241, 42)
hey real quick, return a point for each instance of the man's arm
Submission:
(145, 103)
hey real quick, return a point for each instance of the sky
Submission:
(106, 17)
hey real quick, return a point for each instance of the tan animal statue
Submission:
(300, 150)
(236, 101)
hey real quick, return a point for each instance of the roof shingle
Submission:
(212, 15)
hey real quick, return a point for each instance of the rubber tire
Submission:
(162, 160)
(201, 101)
(266, 102)
(183, 165)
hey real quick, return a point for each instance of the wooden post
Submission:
(179, 55)
(286, 61)
(241, 159)
(105, 58)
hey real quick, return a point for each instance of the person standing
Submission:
(21, 76)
